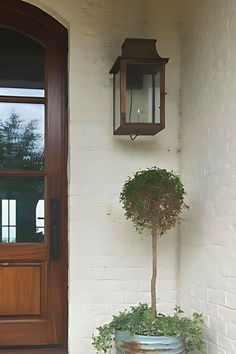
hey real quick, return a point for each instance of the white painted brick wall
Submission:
(208, 155)
(109, 262)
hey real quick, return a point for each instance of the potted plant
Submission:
(153, 199)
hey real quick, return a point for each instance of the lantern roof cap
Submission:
(140, 49)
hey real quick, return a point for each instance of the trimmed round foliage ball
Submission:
(153, 198)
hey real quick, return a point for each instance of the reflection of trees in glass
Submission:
(20, 148)
(20, 144)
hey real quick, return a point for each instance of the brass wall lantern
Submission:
(138, 89)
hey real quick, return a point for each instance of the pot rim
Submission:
(141, 336)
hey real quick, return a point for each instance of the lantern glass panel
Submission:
(157, 98)
(117, 100)
(142, 93)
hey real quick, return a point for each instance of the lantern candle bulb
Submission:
(138, 114)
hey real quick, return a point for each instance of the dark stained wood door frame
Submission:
(28, 19)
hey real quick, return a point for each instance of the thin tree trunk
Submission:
(154, 271)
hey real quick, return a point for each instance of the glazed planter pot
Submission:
(137, 344)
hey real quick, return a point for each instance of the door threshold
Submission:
(31, 350)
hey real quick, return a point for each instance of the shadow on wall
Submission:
(142, 144)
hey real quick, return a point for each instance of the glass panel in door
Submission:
(22, 209)
(22, 136)
(22, 64)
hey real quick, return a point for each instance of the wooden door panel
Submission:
(18, 333)
(23, 252)
(20, 290)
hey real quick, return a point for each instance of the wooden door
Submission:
(33, 198)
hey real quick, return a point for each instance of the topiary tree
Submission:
(153, 199)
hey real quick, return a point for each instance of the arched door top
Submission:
(29, 19)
